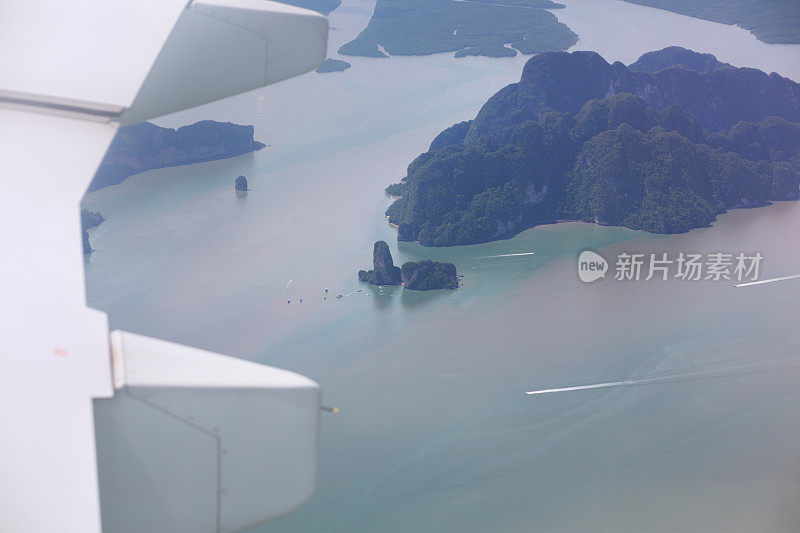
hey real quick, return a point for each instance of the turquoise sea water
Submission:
(435, 432)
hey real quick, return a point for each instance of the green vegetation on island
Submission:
(332, 65)
(396, 189)
(674, 56)
(452, 135)
(427, 275)
(667, 153)
(772, 21)
(475, 27)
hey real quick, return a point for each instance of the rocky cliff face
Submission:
(145, 146)
(429, 275)
(384, 272)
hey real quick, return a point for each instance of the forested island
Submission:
(579, 138)
(772, 21)
(145, 146)
(332, 65)
(424, 275)
(475, 27)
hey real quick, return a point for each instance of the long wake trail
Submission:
(784, 278)
(504, 255)
(752, 368)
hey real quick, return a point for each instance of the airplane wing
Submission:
(131, 60)
(186, 440)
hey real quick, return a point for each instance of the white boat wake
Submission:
(784, 278)
(753, 368)
(504, 255)
(585, 387)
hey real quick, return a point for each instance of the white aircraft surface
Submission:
(125, 433)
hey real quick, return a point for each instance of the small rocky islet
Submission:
(425, 275)
(384, 271)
